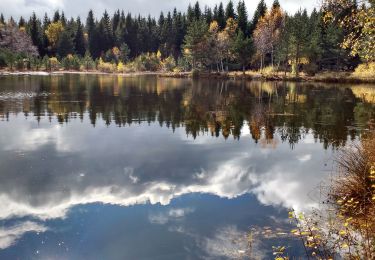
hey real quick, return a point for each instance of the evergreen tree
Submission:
(45, 43)
(56, 17)
(63, 19)
(259, 12)
(215, 13)
(92, 35)
(197, 11)
(22, 22)
(275, 4)
(299, 36)
(35, 32)
(208, 15)
(190, 15)
(2, 20)
(177, 33)
(79, 39)
(229, 11)
(116, 20)
(105, 33)
(243, 49)
(194, 43)
(221, 16)
(242, 17)
(65, 44)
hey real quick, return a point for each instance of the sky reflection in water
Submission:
(144, 168)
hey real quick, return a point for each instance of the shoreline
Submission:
(324, 77)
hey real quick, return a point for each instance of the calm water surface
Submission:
(107, 167)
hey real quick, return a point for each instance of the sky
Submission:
(17, 8)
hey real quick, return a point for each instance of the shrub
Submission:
(147, 62)
(169, 64)
(311, 69)
(53, 63)
(366, 70)
(120, 67)
(183, 64)
(106, 66)
(268, 70)
(87, 63)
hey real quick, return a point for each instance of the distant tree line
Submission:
(223, 38)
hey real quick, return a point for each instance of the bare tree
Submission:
(16, 40)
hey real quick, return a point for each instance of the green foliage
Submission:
(87, 62)
(299, 41)
(106, 66)
(243, 49)
(242, 19)
(6, 58)
(65, 44)
(79, 39)
(71, 62)
(194, 43)
(147, 62)
(169, 64)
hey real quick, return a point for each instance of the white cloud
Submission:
(162, 218)
(304, 158)
(9, 235)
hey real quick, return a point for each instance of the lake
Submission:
(112, 167)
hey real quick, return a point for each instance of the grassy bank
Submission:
(324, 77)
(328, 77)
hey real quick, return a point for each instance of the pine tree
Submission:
(243, 49)
(190, 15)
(35, 32)
(229, 11)
(215, 13)
(56, 17)
(65, 44)
(63, 19)
(2, 20)
(299, 36)
(259, 12)
(22, 22)
(197, 11)
(92, 35)
(45, 43)
(242, 17)
(194, 47)
(221, 16)
(115, 20)
(275, 4)
(208, 15)
(79, 40)
(105, 35)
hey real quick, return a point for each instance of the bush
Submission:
(311, 69)
(183, 64)
(268, 70)
(120, 67)
(53, 63)
(147, 62)
(71, 62)
(169, 64)
(87, 63)
(106, 66)
(366, 70)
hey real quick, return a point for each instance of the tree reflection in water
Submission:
(220, 108)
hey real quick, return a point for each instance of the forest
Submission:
(339, 36)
